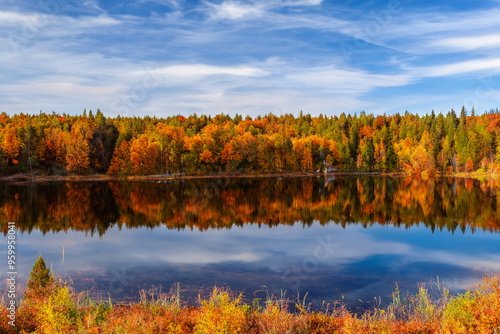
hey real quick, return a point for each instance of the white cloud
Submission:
(176, 4)
(93, 21)
(202, 70)
(79, 91)
(429, 32)
(302, 2)
(37, 21)
(465, 43)
(346, 81)
(92, 4)
(233, 10)
(207, 257)
(8, 18)
(484, 65)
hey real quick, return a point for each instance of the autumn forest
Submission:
(92, 143)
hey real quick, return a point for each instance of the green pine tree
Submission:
(367, 155)
(40, 275)
(391, 159)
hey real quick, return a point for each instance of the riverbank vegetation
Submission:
(195, 145)
(52, 306)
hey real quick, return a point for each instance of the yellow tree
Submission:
(231, 155)
(421, 157)
(171, 141)
(53, 148)
(207, 157)
(120, 163)
(303, 154)
(403, 150)
(144, 154)
(11, 145)
(78, 156)
(333, 158)
(264, 153)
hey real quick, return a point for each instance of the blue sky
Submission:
(169, 57)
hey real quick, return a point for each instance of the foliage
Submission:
(475, 311)
(59, 314)
(286, 143)
(222, 313)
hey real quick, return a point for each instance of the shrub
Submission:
(223, 313)
(475, 311)
(59, 314)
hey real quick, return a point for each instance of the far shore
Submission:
(36, 177)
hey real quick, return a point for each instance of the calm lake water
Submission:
(350, 238)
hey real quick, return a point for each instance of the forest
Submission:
(91, 143)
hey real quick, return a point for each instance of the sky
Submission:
(252, 57)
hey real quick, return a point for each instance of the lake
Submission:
(348, 239)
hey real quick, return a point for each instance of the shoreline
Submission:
(37, 178)
(220, 309)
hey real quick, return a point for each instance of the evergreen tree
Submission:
(497, 155)
(461, 143)
(391, 159)
(367, 155)
(354, 141)
(40, 275)
(463, 117)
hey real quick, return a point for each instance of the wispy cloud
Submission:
(92, 4)
(32, 28)
(202, 70)
(8, 19)
(466, 43)
(438, 33)
(234, 10)
(11, 19)
(176, 4)
(346, 81)
(481, 66)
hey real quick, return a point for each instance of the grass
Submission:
(57, 308)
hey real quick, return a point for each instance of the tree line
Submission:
(93, 143)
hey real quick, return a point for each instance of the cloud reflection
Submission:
(365, 263)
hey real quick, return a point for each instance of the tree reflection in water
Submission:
(93, 207)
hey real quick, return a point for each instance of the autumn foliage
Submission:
(204, 144)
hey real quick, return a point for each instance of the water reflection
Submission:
(205, 204)
(318, 241)
(362, 263)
